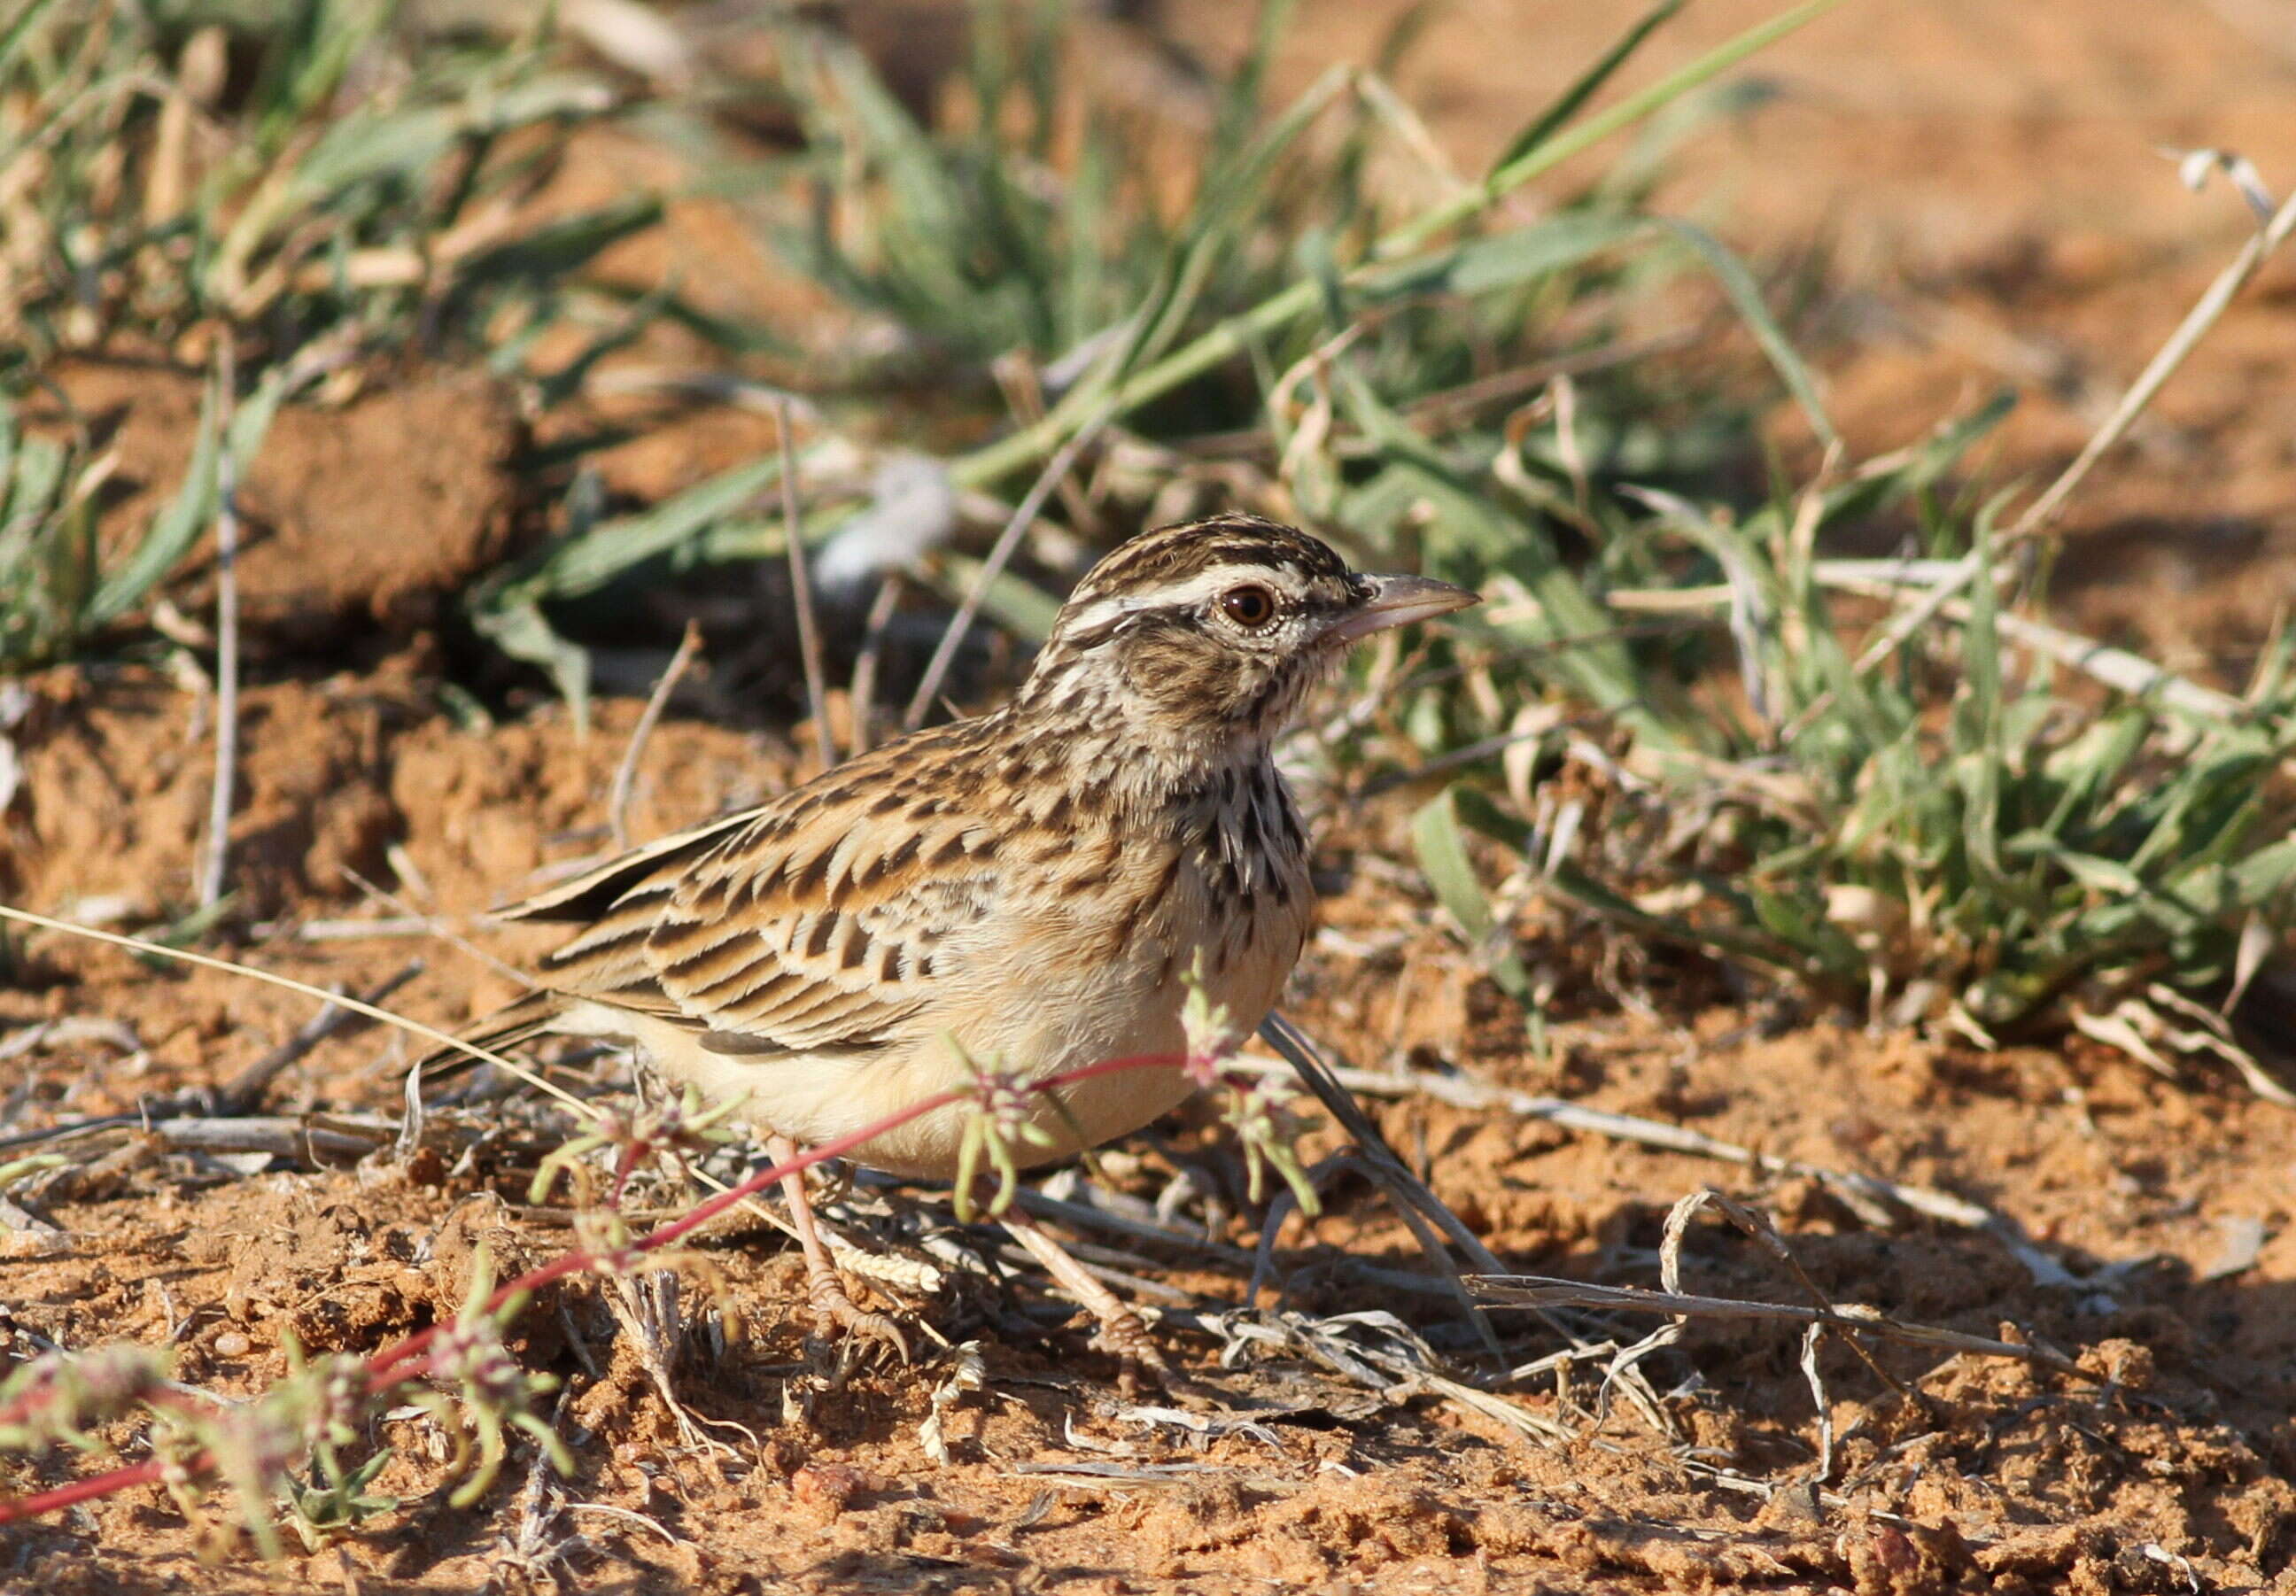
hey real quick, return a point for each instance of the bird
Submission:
(1038, 886)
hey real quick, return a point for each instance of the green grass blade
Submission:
(589, 560)
(1745, 296)
(1234, 337)
(1542, 157)
(1441, 847)
(1442, 852)
(517, 627)
(173, 531)
(1241, 95)
(1503, 261)
(1568, 104)
(561, 245)
(20, 30)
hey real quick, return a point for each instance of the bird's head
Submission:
(1207, 637)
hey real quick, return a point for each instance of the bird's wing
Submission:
(817, 922)
(587, 895)
(615, 904)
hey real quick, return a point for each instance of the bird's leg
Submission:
(833, 1308)
(1121, 1330)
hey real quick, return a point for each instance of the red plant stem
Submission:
(79, 1490)
(388, 1366)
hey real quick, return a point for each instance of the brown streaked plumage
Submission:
(1034, 883)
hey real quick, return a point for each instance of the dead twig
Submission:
(282, 1136)
(1092, 1216)
(1759, 1229)
(2204, 314)
(16, 1217)
(246, 1088)
(1024, 516)
(1424, 1212)
(1543, 1291)
(1395, 1367)
(1864, 1193)
(870, 660)
(808, 634)
(626, 774)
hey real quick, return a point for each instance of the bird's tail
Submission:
(526, 1017)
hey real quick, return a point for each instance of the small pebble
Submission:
(833, 1485)
(231, 1344)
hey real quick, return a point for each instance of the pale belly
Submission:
(1027, 1028)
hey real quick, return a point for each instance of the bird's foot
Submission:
(1140, 1362)
(1121, 1330)
(835, 1313)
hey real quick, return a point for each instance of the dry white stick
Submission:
(280, 1135)
(184, 955)
(2116, 668)
(1897, 580)
(863, 694)
(1812, 1341)
(2202, 316)
(219, 805)
(1540, 1291)
(344, 930)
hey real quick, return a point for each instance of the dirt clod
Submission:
(371, 514)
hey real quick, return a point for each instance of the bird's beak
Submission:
(1398, 601)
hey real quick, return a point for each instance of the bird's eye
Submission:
(1251, 607)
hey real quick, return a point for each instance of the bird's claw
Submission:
(835, 1313)
(1139, 1360)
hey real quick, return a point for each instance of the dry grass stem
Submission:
(1430, 1220)
(2204, 314)
(870, 660)
(1864, 1194)
(156, 950)
(1543, 1291)
(808, 629)
(626, 774)
(1902, 581)
(1024, 516)
(2115, 669)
